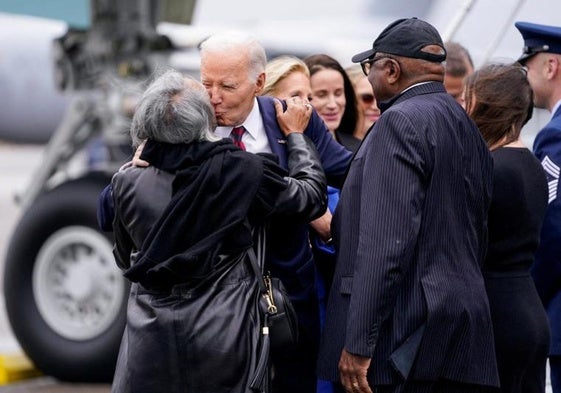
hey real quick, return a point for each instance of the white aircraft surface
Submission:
(31, 106)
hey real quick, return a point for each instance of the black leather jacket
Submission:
(211, 333)
(141, 194)
(306, 193)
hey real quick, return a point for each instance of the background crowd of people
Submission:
(429, 263)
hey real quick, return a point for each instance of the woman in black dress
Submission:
(499, 100)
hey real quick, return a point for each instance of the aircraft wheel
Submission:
(65, 297)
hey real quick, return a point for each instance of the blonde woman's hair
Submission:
(279, 68)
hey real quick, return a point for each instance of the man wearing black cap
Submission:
(408, 311)
(542, 57)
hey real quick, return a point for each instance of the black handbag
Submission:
(280, 326)
(275, 303)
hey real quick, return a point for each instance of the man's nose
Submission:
(213, 94)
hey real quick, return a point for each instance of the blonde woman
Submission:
(367, 104)
(287, 77)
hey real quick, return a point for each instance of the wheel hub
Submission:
(76, 284)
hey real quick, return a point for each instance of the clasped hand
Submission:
(296, 116)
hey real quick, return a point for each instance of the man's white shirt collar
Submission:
(415, 85)
(555, 107)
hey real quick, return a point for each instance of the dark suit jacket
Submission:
(547, 267)
(410, 231)
(288, 253)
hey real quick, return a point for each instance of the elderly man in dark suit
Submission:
(233, 74)
(408, 310)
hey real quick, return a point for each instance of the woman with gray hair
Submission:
(192, 118)
(183, 226)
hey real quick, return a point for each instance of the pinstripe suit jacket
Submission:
(410, 231)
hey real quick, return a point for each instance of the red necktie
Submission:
(236, 136)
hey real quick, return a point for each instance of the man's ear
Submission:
(553, 69)
(260, 84)
(393, 72)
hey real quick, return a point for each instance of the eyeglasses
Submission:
(367, 64)
(368, 99)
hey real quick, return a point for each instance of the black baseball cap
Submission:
(407, 38)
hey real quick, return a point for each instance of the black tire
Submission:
(59, 277)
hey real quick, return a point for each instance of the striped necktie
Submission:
(236, 136)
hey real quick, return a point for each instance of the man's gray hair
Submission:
(238, 41)
(173, 109)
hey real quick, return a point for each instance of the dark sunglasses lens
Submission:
(367, 98)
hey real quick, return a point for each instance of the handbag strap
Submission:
(259, 239)
(257, 259)
(256, 269)
(256, 256)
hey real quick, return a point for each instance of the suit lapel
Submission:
(277, 140)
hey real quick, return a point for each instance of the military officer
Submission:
(542, 58)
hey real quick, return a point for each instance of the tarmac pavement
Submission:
(50, 385)
(16, 164)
